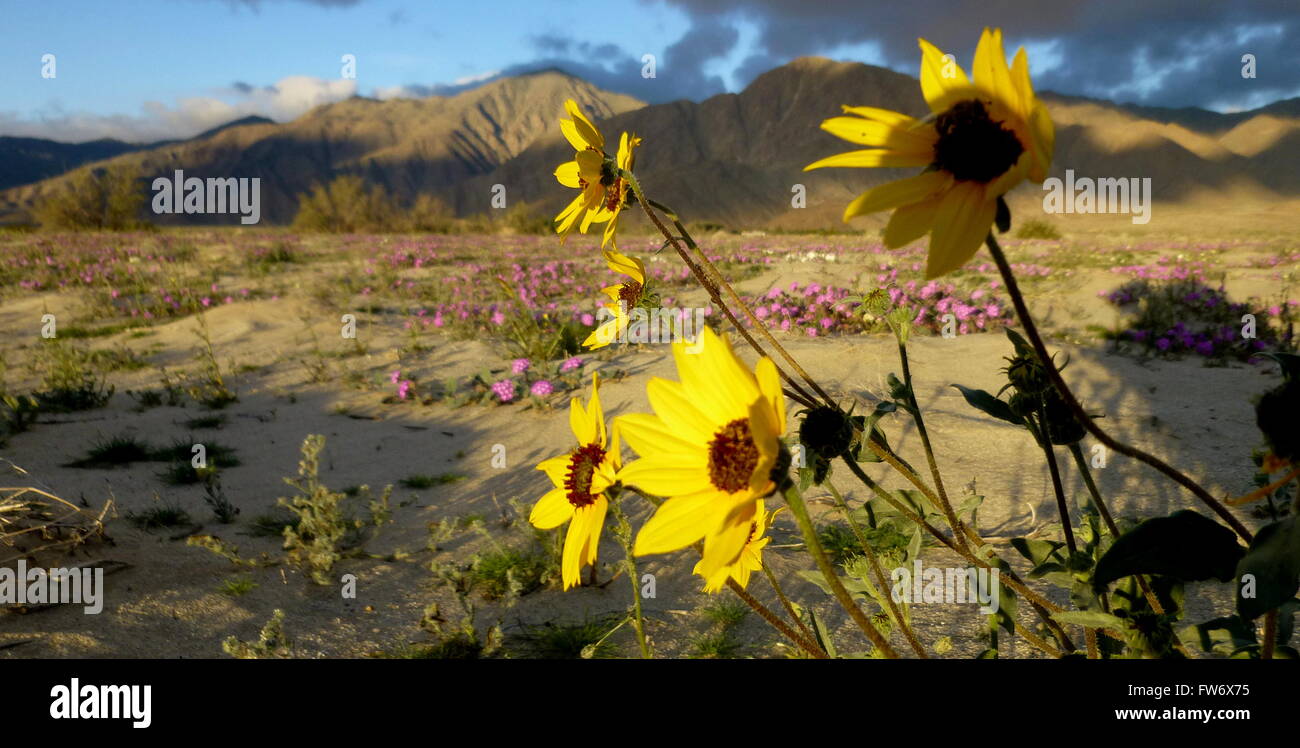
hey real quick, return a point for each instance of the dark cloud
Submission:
(1154, 52)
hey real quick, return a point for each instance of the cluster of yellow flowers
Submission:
(709, 449)
(712, 448)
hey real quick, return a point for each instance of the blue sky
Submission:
(143, 70)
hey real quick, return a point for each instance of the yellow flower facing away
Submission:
(579, 481)
(980, 140)
(710, 448)
(624, 297)
(751, 557)
(602, 194)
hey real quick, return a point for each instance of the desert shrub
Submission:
(271, 642)
(428, 215)
(94, 199)
(346, 205)
(1035, 228)
(323, 531)
(69, 380)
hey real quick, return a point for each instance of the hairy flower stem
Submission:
(806, 645)
(785, 603)
(1270, 635)
(623, 532)
(1041, 606)
(698, 268)
(1031, 332)
(1044, 441)
(881, 582)
(797, 507)
(1086, 472)
(915, 411)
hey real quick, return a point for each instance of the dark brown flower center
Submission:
(630, 294)
(582, 466)
(973, 147)
(733, 455)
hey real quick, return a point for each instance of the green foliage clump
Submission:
(271, 642)
(94, 199)
(323, 531)
(1037, 229)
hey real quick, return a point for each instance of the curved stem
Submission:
(800, 511)
(1042, 607)
(1031, 332)
(785, 603)
(1045, 441)
(953, 519)
(767, 615)
(624, 534)
(719, 281)
(879, 573)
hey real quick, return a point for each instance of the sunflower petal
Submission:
(882, 135)
(551, 511)
(886, 116)
(990, 70)
(567, 174)
(676, 524)
(910, 222)
(960, 225)
(581, 422)
(585, 130)
(648, 435)
(943, 82)
(897, 193)
(872, 157)
(723, 546)
(668, 473)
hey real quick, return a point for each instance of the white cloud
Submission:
(187, 117)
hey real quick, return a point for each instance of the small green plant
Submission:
(323, 531)
(419, 481)
(69, 381)
(509, 572)
(237, 586)
(587, 640)
(1036, 228)
(719, 641)
(271, 525)
(216, 498)
(114, 452)
(271, 642)
(161, 514)
(211, 390)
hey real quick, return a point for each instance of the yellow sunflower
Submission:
(979, 141)
(624, 298)
(580, 479)
(710, 448)
(750, 559)
(603, 194)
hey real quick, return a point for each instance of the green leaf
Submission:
(1273, 559)
(983, 401)
(1185, 545)
(1037, 551)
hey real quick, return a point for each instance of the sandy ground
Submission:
(167, 603)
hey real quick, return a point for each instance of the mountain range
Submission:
(734, 159)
